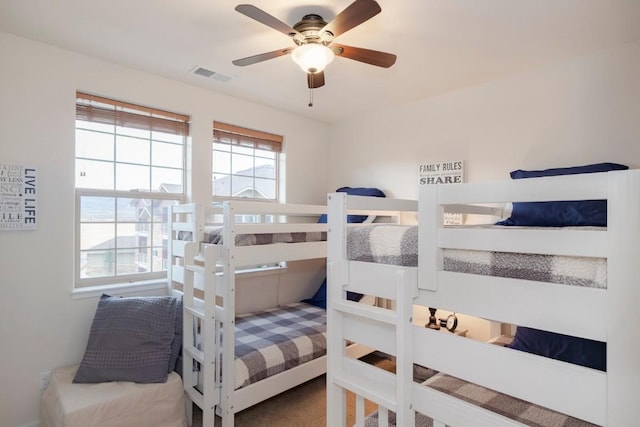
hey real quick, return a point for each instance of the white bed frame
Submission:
(212, 270)
(612, 315)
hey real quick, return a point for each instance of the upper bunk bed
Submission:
(209, 247)
(600, 393)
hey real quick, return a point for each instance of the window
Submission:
(245, 163)
(129, 168)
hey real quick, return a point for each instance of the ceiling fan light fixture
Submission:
(312, 57)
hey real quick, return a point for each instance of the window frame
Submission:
(247, 138)
(90, 284)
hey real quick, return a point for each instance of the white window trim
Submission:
(133, 280)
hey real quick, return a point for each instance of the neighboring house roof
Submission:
(170, 188)
(241, 184)
(121, 242)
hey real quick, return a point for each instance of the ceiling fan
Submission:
(314, 40)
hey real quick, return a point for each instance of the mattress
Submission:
(275, 340)
(398, 245)
(213, 235)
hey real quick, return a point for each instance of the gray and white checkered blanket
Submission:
(275, 340)
(510, 407)
(398, 245)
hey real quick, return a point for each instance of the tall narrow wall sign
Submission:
(18, 197)
(443, 173)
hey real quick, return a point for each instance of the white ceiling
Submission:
(442, 45)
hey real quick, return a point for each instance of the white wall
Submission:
(576, 112)
(41, 326)
(581, 111)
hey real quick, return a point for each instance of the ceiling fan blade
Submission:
(262, 57)
(266, 19)
(315, 80)
(368, 56)
(355, 14)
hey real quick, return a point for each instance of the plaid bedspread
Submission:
(275, 340)
(510, 407)
(213, 235)
(398, 245)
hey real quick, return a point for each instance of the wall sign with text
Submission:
(18, 197)
(443, 173)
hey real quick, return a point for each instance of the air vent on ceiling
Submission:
(210, 74)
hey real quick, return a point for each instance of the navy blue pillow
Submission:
(579, 351)
(561, 213)
(320, 297)
(356, 191)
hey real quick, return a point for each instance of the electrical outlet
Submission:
(44, 379)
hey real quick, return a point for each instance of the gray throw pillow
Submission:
(130, 340)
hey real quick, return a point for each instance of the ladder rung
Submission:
(366, 311)
(195, 268)
(197, 355)
(194, 311)
(195, 396)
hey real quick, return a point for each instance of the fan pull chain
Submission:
(311, 90)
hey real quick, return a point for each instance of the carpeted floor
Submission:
(304, 405)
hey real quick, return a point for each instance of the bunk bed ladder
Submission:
(200, 354)
(343, 373)
(368, 382)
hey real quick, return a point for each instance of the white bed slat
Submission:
(565, 242)
(260, 254)
(378, 281)
(380, 336)
(240, 207)
(567, 388)
(366, 311)
(255, 393)
(279, 228)
(368, 381)
(380, 205)
(591, 186)
(541, 305)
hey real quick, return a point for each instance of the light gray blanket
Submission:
(398, 245)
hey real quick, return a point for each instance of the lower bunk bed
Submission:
(583, 292)
(274, 349)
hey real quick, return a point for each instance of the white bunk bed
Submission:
(206, 274)
(607, 315)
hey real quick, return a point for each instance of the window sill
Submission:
(119, 289)
(158, 284)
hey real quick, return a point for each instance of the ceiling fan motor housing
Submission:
(310, 27)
